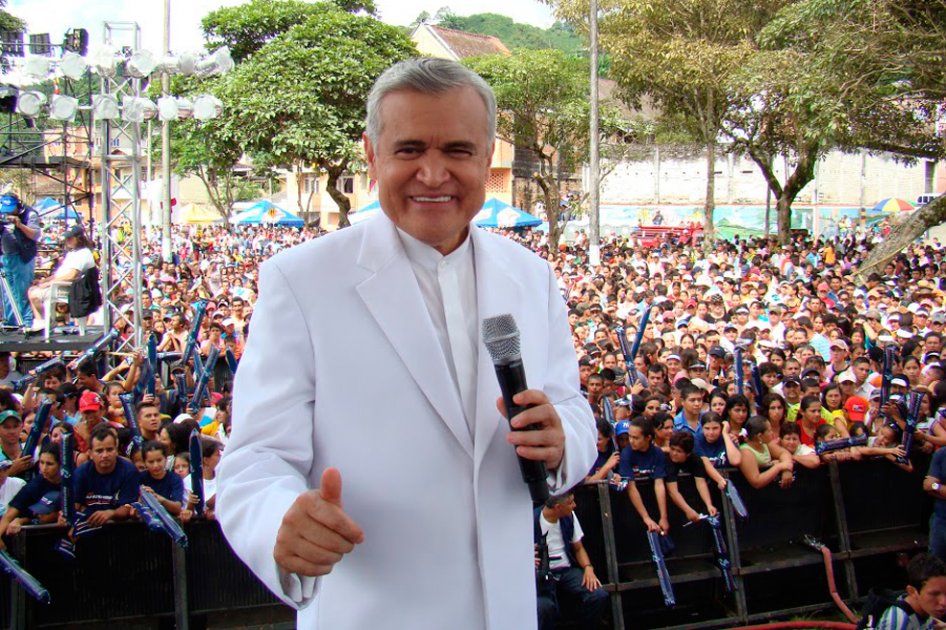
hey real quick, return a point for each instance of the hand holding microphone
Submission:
(537, 430)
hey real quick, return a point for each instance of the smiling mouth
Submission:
(431, 199)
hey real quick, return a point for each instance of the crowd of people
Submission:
(812, 336)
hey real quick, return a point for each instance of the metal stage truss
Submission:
(120, 173)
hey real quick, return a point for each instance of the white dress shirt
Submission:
(448, 284)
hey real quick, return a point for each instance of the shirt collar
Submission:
(427, 257)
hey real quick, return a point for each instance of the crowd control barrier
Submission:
(865, 512)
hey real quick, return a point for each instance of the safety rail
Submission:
(126, 572)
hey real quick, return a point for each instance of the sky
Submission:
(57, 16)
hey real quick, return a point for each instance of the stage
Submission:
(16, 341)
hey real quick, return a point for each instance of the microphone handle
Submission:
(512, 380)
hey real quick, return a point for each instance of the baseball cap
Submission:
(856, 408)
(73, 232)
(791, 381)
(839, 343)
(939, 317)
(718, 351)
(10, 413)
(671, 357)
(846, 377)
(89, 401)
(899, 381)
(622, 428)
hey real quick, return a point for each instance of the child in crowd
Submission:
(715, 443)
(790, 440)
(681, 458)
(642, 458)
(155, 479)
(763, 460)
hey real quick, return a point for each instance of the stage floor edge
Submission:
(14, 341)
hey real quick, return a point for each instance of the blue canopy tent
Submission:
(499, 214)
(266, 212)
(52, 210)
(494, 214)
(46, 204)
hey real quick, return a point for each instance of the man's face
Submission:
(932, 596)
(149, 418)
(933, 344)
(595, 387)
(566, 507)
(861, 372)
(584, 371)
(693, 403)
(431, 163)
(10, 431)
(104, 455)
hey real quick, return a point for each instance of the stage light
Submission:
(185, 107)
(77, 41)
(36, 70)
(40, 45)
(73, 66)
(63, 108)
(141, 64)
(167, 108)
(105, 61)
(217, 63)
(105, 107)
(207, 106)
(137, 109)
(30, 103)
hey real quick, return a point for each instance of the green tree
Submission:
(681, 55)
(809, 89)
(887, 61)
(248, 27)
(10, 22)
(542, 96)
(299, 101)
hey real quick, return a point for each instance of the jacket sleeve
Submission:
(267, 461)
(562, 388)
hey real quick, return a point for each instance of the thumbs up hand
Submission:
(316, 532)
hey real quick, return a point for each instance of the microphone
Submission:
(501, 336)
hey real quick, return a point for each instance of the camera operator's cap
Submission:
(74, 232)
(622, 428)
(10, 413)
(899, 381)
(89, 401)
(9, 204)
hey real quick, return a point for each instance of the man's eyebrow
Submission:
(410, 144)
(460, 144)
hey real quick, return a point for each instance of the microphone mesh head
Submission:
(501, 336)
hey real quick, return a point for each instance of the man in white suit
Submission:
(435, 529)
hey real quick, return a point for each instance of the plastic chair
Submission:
(59, 294)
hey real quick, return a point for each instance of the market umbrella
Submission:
(893, 204)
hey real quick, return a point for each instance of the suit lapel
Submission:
(393, 298)
(497, 292)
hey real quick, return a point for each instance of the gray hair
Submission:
(427, 75)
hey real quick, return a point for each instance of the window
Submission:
(310, 183)
(346, 184)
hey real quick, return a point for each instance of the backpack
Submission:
(878, 601)
(85, 295)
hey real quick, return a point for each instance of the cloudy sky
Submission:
(57, 16)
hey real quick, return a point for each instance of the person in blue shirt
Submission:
(107, 485)
(689, 417)
(642, 458)
(715, 444)
(155, 479)
(39, 500)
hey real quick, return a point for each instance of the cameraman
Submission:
(19, 232)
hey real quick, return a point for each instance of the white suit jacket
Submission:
(343, 368)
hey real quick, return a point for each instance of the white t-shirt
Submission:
(8, 490)
(79, 259)
(558, 559)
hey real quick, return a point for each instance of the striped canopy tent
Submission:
(267, 213)
(893, 204)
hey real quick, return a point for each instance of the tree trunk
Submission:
(709, 206)
(930, 215)
(783, 217)
(341, 200)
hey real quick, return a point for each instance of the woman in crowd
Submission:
(763, 460)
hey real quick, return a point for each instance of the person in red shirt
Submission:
(809, 419)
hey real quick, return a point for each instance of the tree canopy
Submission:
(542, 96)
